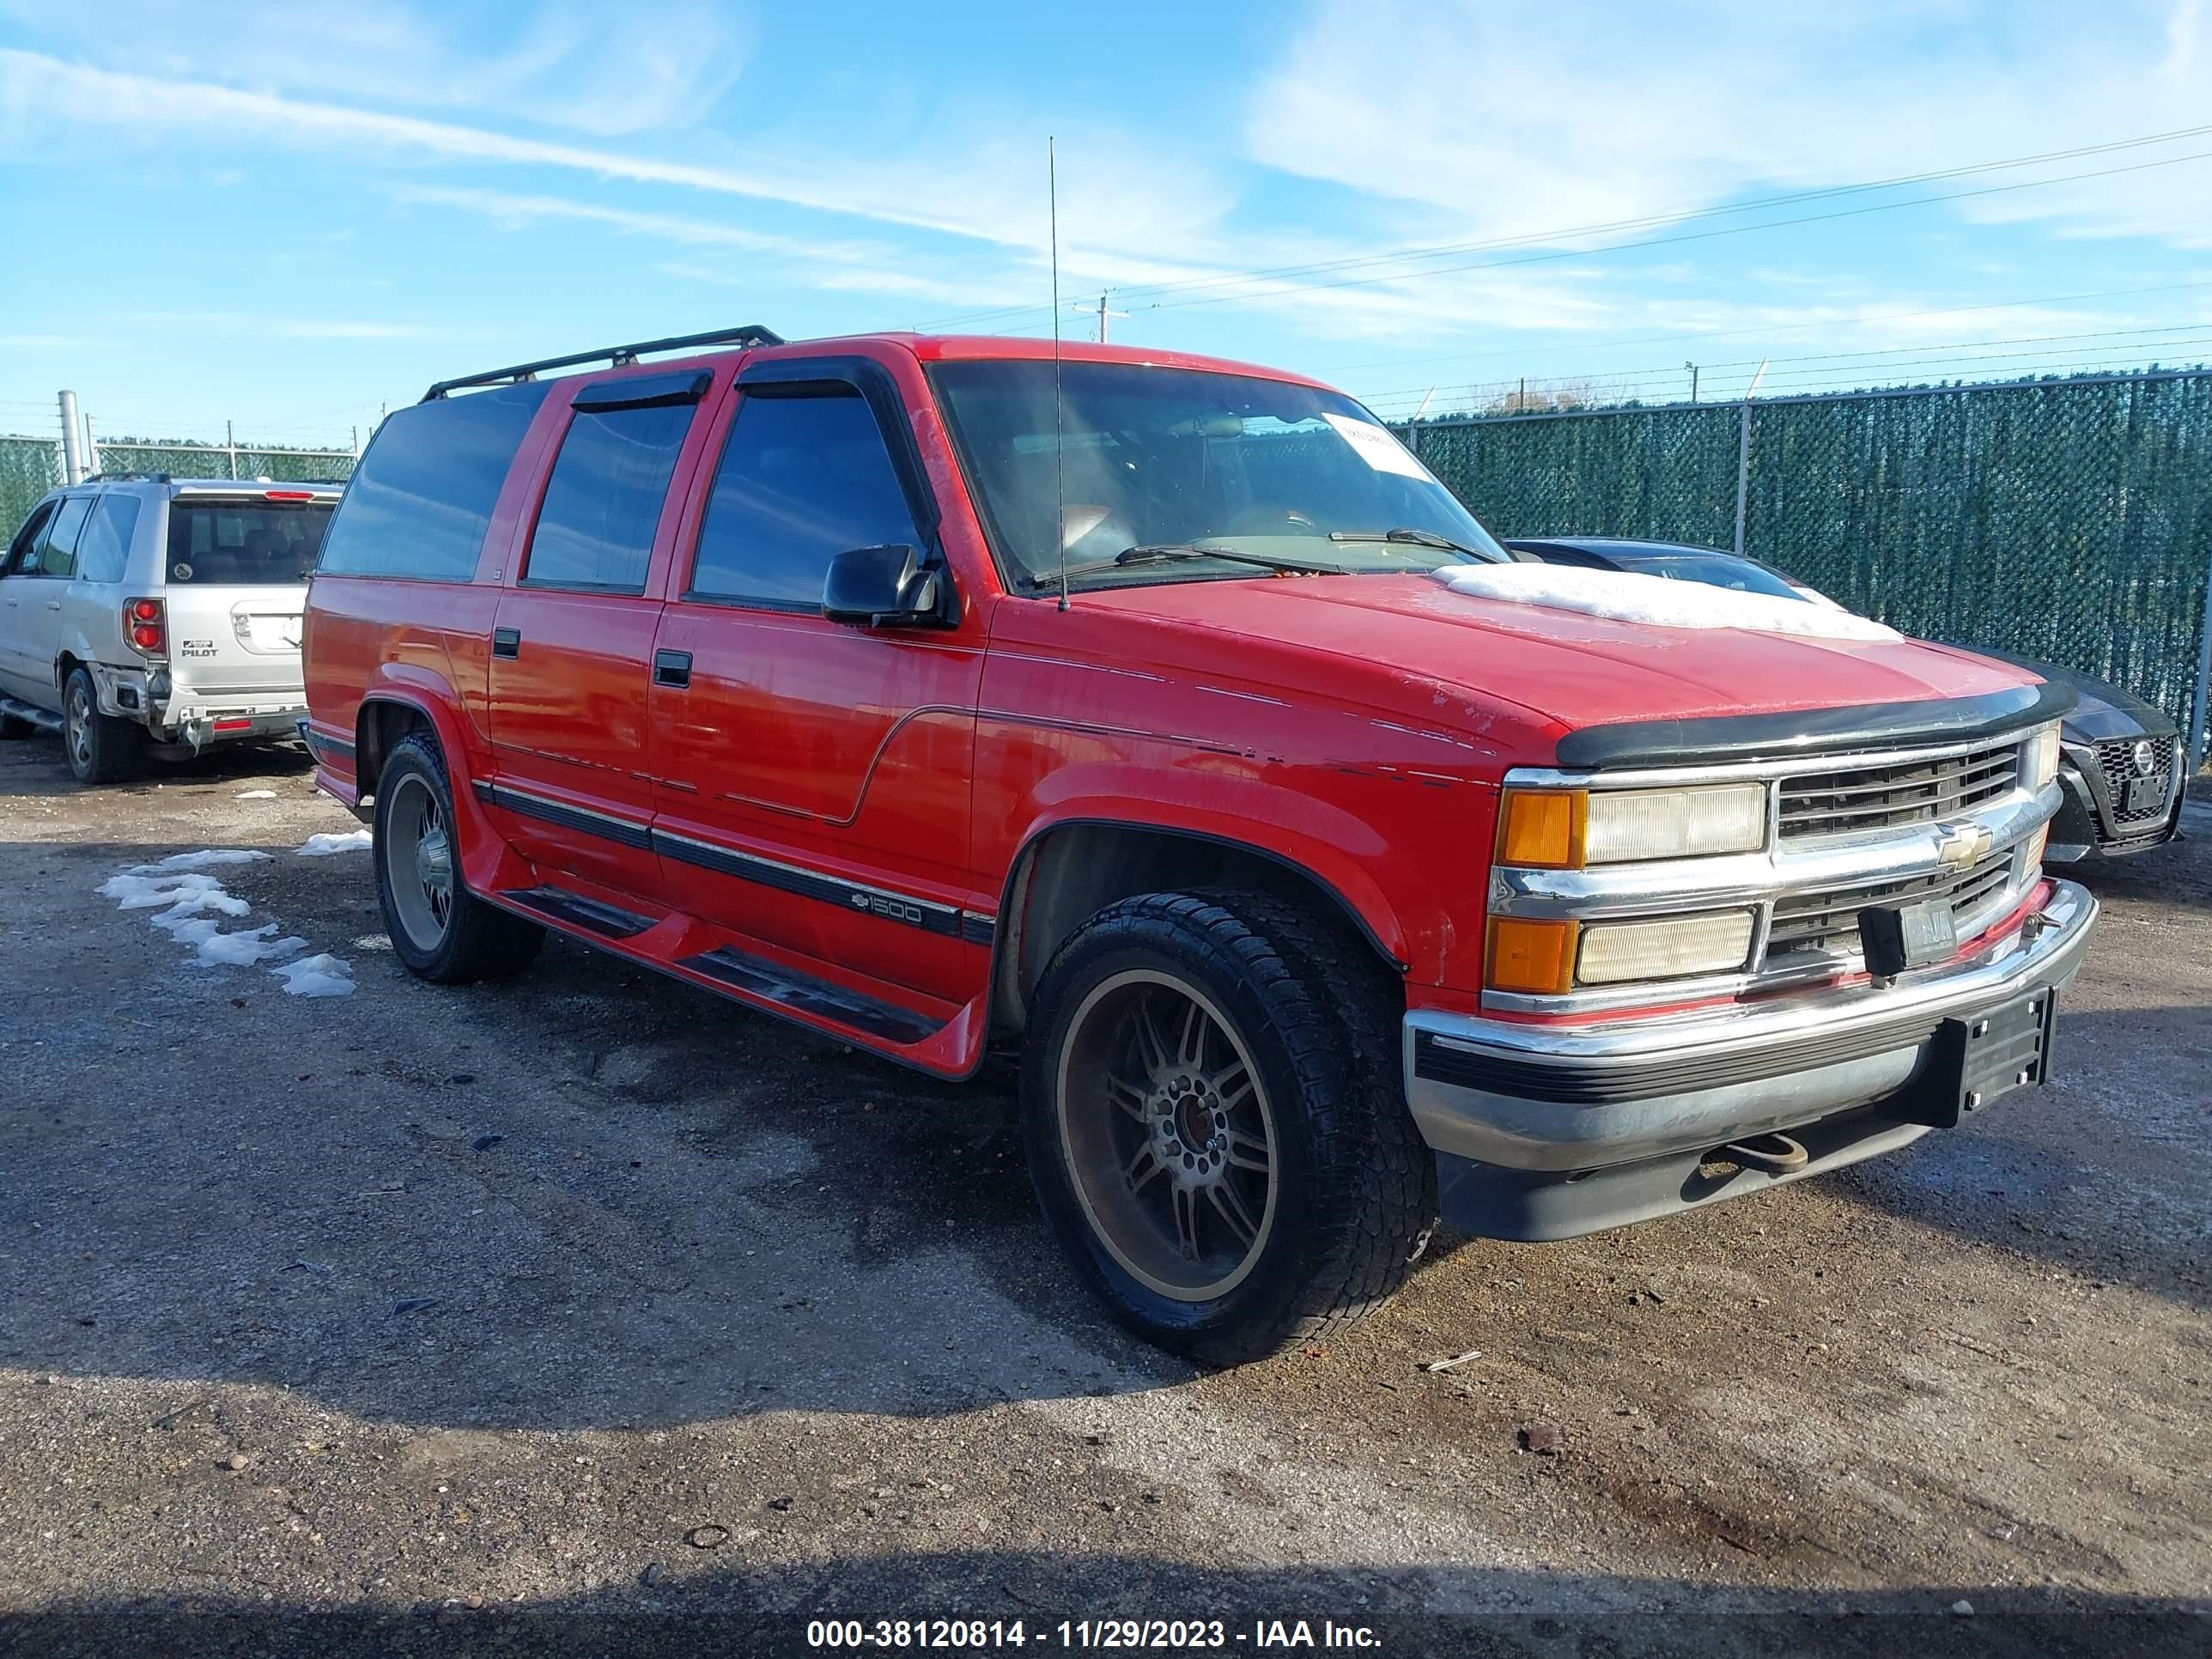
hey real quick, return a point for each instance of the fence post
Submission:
(72, 456)
(1742, 473)
(230, 446)
(2197, 722)
(91, 446)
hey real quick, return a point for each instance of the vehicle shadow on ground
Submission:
(697, 1609)
(590, 1196)
(35, 766)
(593, 1196)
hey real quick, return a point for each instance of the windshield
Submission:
(245, 543)
(1172, 457)
(1714, 570)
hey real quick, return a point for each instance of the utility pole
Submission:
(230, 448)
(1104, 314)
(1692, 367)
(72, 437)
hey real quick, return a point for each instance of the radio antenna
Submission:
(1059, 467)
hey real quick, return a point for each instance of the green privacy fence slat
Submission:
(29, 467)
(2067, 520)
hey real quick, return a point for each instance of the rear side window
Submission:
(58, 554)
(603, 502)
(421, 499)
(244, 544)
(105, 547)
(802, 480)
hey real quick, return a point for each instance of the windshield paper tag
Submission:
(1376, 447)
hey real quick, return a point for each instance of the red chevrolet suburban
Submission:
(1164, 720)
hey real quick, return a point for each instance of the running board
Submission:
(817, 998)
(45, 719)
(606, 920)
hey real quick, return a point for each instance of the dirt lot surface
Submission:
(589, 1313)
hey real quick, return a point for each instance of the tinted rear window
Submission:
(423, 496)
(218, 544)
(603, 502)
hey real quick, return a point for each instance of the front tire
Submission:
(441, 931)
(101, 749)
(1216, 1125)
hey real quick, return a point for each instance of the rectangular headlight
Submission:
(1625, 824)
(2039, 760)
(1676, 947)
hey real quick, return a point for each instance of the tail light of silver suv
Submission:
(146, 627)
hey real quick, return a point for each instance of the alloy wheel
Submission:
(1168, 1133)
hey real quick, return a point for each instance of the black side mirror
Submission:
(889, 587)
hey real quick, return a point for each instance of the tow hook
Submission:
(1777, 1153)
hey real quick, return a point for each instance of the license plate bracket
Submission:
(1980, 1059)
(1896, 936)
(2142, 795)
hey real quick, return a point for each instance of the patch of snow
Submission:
(352, 840)
(184, 895)
(195, 932)
(246, 947)
(207, 857)
(316, 976)
(257, 795)
(1656, 601)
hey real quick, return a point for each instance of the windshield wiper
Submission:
(1408, 534)
(1167, 552)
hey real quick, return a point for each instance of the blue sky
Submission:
(287, 216)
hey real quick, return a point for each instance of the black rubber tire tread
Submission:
(1331, 1013)
(118, 748)
(482, 941)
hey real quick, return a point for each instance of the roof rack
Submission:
(751, 334)
(124, 477)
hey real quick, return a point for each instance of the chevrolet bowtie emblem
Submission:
(1963, 843)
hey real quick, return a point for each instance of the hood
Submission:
(2102, 710)
(1579, 670)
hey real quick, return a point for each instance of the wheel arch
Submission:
(383, 718)
(1069, 870)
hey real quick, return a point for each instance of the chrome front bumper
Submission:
(1553, 1103)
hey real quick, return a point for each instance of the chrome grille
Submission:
(1827, 923)
(2116, 760)
(1879, 794)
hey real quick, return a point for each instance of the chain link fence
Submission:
(2069, 521)
(29, 467)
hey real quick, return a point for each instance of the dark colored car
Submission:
(2121, 757)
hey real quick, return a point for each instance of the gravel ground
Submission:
(590, 1314)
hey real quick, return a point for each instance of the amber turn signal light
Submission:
(1532, 957)
(1541, 829)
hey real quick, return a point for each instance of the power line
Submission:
(1763, 329)
(1646, 221)
(1692, 236)
(1945, 350)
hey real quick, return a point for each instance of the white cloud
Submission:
(849, 266)
(605, 70)
(1503, 120)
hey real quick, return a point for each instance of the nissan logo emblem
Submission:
(2145, 757)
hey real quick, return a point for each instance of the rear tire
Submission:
(1216, 1125)
(101, 749)
(441, 931)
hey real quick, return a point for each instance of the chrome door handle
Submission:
(53, 605)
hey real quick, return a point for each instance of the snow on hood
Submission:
(1623, 595)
